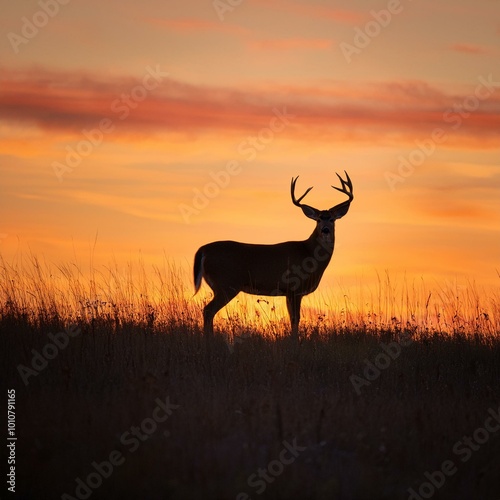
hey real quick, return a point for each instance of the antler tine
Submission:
(292, 189)
(345, 183)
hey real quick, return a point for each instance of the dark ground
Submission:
(239, 407)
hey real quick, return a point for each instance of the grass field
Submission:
(391, 393)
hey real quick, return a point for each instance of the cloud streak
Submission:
(466, 48)
(392, 110)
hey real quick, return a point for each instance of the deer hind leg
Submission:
(213, 307)
(293, 306)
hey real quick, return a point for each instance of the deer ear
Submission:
(340, 210)
(310, 212)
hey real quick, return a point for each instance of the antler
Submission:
(308, 210)
(292, 190)
(345, 184)
(337, 211)
(346, 189)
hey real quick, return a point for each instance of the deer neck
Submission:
(320, 248)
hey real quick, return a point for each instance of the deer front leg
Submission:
(293, 306)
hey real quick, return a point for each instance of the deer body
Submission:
(292, 268)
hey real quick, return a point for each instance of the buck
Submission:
(291, 269)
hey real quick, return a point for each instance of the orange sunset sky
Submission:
(118, 117)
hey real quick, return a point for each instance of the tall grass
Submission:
(160, 296)
(141, 339)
